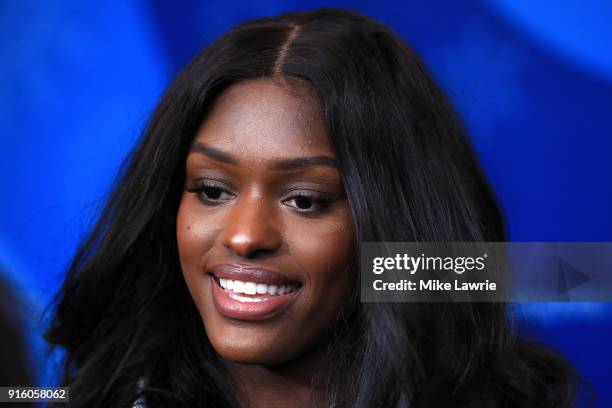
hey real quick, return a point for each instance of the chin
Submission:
(245, 345)
(251, 353)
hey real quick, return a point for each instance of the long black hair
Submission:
(410, 173)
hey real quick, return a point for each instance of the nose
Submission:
(252, 228)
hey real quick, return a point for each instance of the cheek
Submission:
(326, 253)
(195, 232)
(195, 236)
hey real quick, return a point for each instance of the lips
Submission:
(250, 293)
(246, 273)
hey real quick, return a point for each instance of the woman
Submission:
(222, 272)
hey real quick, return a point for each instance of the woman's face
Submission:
(264, 228)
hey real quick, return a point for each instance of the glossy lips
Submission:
(250, 293)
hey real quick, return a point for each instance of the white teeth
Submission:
(247, 299)
(238, 286)
(250, 288)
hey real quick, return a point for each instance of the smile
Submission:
(261, 291)
(258, 295)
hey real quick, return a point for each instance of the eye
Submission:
(306, 201)
(210, 192)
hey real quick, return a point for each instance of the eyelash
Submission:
(200, 188)
(320, 201)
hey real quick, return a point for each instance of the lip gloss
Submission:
(266, 307)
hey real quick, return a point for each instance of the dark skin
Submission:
(262, 187)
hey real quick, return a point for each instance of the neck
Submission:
(298, 383)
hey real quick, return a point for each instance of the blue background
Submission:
(533, 80)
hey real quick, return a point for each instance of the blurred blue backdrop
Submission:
(533, 80)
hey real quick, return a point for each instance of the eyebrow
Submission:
(213, 153)
(281, 164)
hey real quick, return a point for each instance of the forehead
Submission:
(266, 118)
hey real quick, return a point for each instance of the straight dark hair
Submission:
(410, 173)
